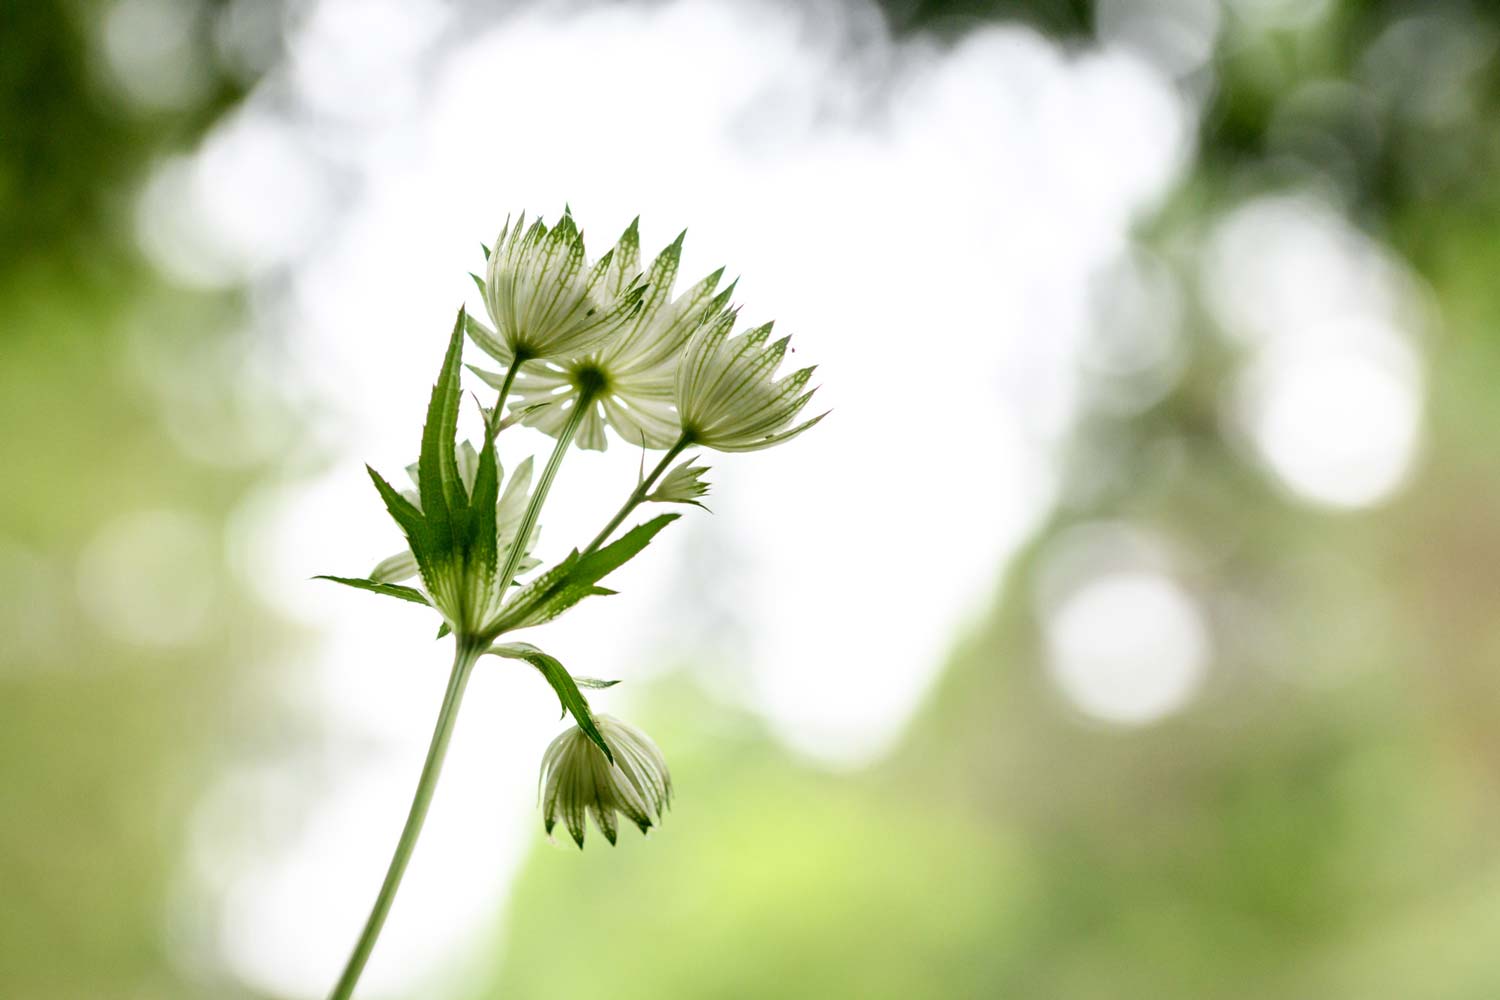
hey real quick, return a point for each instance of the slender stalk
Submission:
(635, 499)
(464, 658)
(539, 495)
(498, 413)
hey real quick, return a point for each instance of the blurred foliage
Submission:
(950, 18)
(72, 147)
(106, 740)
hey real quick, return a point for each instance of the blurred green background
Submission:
(1325, 822)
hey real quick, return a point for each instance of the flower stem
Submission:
(539, 495)
(498, 413)
(635, 499)
(464, 658)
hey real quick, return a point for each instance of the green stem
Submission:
(639, 495)
(464, 658)
(498, 413)
(539, 495)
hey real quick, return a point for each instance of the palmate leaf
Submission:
(563, 683)
(575, 578)
(377, 587)
(439, 532)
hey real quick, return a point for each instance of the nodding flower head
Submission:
(728, 396)
(578, 780)
(546, 301)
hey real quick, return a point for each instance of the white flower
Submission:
(578, 780)
(509, 510)
(728, 397)
(545, 300)
(629, 377)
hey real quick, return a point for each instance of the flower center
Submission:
(590, 381)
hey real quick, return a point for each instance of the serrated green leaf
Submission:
(377, 587)
(411, 521)
(534, 592)
(444, 501)
(573, 579)
(596, 565)
(563, 683)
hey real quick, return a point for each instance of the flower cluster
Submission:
(583, 346)
(658, 372)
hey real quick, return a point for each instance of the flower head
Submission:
(629, 376)
(545, 300)
(728, 397)
(577, 780)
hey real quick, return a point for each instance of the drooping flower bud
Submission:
(577, 780)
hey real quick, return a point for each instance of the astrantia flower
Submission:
(627, 379)
(728, 397)
(578, 780)
(544, 298)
